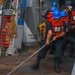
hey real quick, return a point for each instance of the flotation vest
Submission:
(57, 27)
(49, 16)
(73, 18)
(66, 19)
(1, 1)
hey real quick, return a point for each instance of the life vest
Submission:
(49, 16)
(1, 1)
(66, 19)
(57, 27)
(73, 18)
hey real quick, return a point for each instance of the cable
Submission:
(27, 59)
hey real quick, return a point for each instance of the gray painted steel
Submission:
(73, 71)
(32, 16)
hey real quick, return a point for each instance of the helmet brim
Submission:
(56, 17)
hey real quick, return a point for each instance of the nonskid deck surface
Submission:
(46, 66)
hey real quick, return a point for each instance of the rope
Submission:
(27, 59)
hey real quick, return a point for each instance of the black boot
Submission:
(51, 52)
(72, 55)
(36, 65)
(57, 65)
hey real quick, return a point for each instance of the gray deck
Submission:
(46, 66)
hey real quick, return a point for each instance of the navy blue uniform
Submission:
(70, 38)
(57, 44)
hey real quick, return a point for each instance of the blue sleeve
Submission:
(64, 27)
(49, 26)
(46, 13)
(69, 25)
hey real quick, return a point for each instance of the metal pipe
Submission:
(40, 11)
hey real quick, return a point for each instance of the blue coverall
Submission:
(57, 44)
